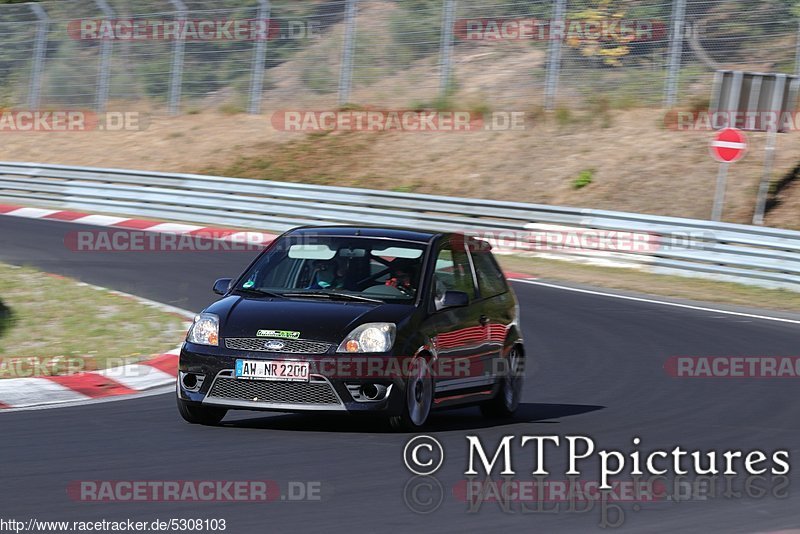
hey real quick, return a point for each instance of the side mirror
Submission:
(222, 286)
(453, 299)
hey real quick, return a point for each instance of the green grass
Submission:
(50, 318)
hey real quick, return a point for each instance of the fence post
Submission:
(675, 51)
(104, 73)
(446, 46)
(35, 90)
(554, 54)
(348, 49)
(177, 61)
(259, 54)
(797, 52)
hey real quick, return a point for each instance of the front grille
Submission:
(293, 346)
(318, 392)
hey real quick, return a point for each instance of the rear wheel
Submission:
(200, 415)
(418, 399)
(506, 402)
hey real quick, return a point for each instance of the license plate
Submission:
(283, 371)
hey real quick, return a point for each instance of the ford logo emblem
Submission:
(274, 345)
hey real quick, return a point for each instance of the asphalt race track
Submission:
(597, 370)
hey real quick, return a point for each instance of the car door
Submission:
(457, 334)
(498, 307)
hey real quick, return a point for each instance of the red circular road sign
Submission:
(728, 145)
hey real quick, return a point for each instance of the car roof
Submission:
(405, 234)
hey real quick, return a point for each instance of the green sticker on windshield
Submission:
(248, 284)
(283, 334)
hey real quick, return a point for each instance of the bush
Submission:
(5, 317)
(584, 178)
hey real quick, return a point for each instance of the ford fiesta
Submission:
(360, 320)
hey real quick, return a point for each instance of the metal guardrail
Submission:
(753, 255)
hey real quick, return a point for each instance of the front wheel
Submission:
(506, 402)
(200, 415)
(418, 400)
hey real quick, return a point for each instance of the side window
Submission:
(453, 272)
(490, 278)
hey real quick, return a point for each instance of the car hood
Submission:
(315, 319)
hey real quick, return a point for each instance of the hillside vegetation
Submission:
(604, 146)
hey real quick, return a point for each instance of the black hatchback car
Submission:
(361, 320)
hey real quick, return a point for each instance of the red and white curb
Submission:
(80, 388)
(128, 380)
(221, 234)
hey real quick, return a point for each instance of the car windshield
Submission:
(337, 268)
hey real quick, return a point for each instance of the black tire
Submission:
(506, 401)
(418, 398)
(200, 415)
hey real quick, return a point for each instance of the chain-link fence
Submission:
(180, 55)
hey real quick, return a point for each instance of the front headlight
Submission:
(369, 337)
(204, 330)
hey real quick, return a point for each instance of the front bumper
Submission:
(326, 391)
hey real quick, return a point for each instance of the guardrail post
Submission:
(675, 51)
(446, 46)
(348, 50)
(554, 55)
(177, 60)
(104, 69)
(259, 54)
(35, 90)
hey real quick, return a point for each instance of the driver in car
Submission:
(402, 276)
(327, 274)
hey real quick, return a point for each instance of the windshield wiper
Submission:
(332, 295)
(259, 292)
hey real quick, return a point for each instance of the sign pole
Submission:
(769, 156)
(727, 146)
(719, 196)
